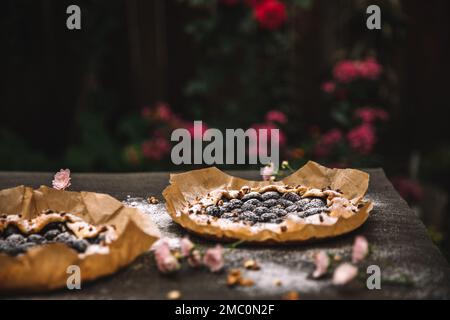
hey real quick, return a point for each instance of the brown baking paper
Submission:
(188, 186)
(45, 267)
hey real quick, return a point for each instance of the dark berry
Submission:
(261, 210)
(25, 246)
(16, 239)
(248, 206)
(249, 216)
(315, 203)
(302, 203)
(254, 202)
(64, 237)
(214, 211)
(36, 238)
(278, 212)
(251, 195)
(268, 216)
(312, 211)
(270, 203)
(284, 203)
(292, 208)
(79, 245)
(291, 196)
(234, 204)
(270, 195)
(51, 234)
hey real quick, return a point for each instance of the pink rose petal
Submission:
(186, 247)
(165, 261)
(345, 273)
(61, 181)
(213, 258)
(360, 249)
(322, 262)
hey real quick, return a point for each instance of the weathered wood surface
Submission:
(411, 265)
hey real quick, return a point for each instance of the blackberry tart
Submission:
(18, 235)
(45, 232)
(315, 202)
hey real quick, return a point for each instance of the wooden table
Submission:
(411, 265)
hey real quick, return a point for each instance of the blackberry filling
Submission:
(14, 242)
(267, 207)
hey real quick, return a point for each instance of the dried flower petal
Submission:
(322, 262)
(165, 260)
(61, 181)
(360, 249)
(213, 258)
(186, 246)
(345, 273)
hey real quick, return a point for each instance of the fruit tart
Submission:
(315, 202)
(45, 232)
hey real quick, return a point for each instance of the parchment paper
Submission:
(45, 267)
(188, 186)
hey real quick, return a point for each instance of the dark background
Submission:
(72, 98)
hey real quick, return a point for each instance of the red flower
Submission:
(362, 138)
(369, 115)
(327, 142)
(270, 14)
(193, 128)
(163, 112)
(328, 87)
(276, 116)
(345, 71)
(156, 148)
(369, 69)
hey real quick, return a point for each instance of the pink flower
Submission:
(362, 138)
(328, 87)
(186, 246)
(156, 148)
(213, 258)
(360, 249)
(369, 69)
(268, 172)
(165, 260)
(163, 112)
(331, 137)
(345, 71)
(196, 129)
(345, 273)
(369, 115)
(276, 116)
(327, 142)
(195, 259)
(61, 181)
(270, 14)
(322, 262)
